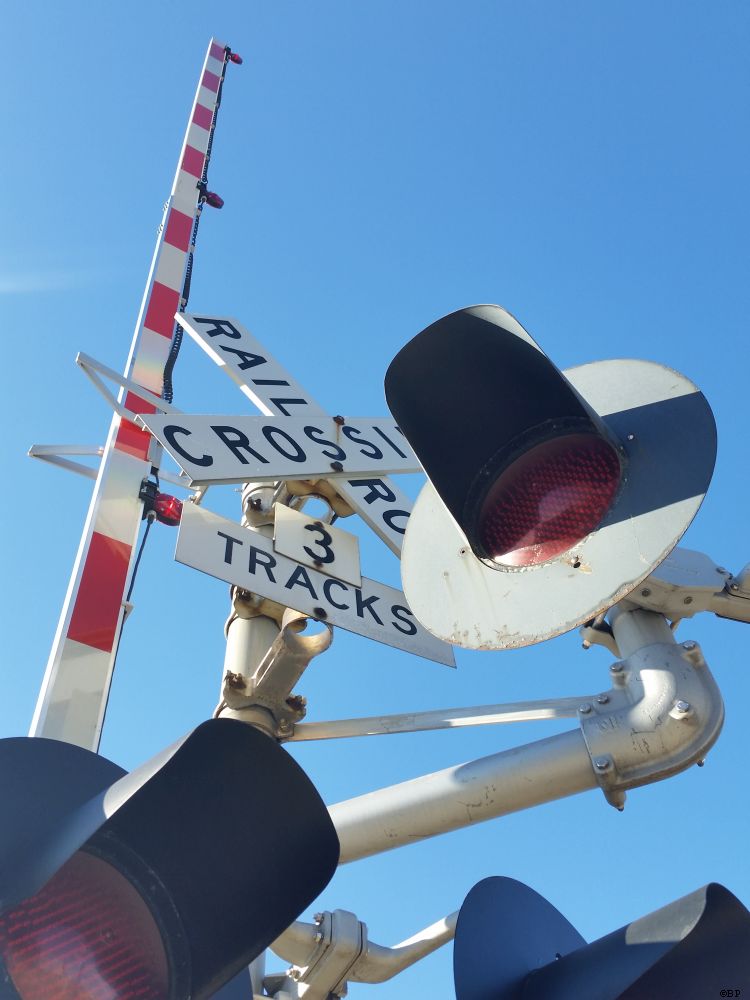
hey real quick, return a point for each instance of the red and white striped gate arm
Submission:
(76, 684)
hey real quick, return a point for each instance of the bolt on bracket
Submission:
(663, 714)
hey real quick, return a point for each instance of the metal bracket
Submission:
(56, 454)
(323, 954)
(687, 582)
(335, 950)
(663, 713)
(91, 367)
(264, 699)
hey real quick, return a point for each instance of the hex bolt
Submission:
(338, 419)
(256, 503)
(688, 600)
(682, 706)
(646, 592)
(602, 699)
(689, 645)
(584, 709)
(631, 437)
(602, 763)
(734, 586)
(616, 668)
(700, 763)
(320, 613)
(319, 936)
(318, 918)
(337, 466)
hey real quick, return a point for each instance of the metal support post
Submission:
(249, 637)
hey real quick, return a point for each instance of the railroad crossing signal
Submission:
(162, 883)
(552, 494)
(512, 944)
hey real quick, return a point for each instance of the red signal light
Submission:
(168, 509)
(86, 935)
(548, 500)
(235, 58)
(213, 199)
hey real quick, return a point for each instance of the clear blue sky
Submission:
(582, 164)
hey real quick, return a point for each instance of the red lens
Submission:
(549, 499)
(87, 935)
(168, 509)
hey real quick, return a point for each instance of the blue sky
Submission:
(582, 164)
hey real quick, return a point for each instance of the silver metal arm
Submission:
(447, 718)
(460, 796)
(662, 714)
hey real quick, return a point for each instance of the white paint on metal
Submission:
(172, 264)
(460, 796)
(267, 384)
(320, 546)
(74, 713)
(217, 448)
(668, 435)
(245, 557)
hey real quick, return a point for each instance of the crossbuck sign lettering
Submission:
(237, 449)
(246, 558)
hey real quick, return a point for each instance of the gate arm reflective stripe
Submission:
(76, 683)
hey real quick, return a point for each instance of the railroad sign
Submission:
(317, 545)
(378, 501)
(235, 449)
(246, 558)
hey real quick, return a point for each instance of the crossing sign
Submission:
(246, 558)
(268, 385)
(237, 449)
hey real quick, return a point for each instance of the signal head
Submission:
(552, 494)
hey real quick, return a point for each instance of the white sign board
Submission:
(316, 544)
(246, 558)
(275, 392)
(211, 448)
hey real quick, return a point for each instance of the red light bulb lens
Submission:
(86, 935)
(548, 500)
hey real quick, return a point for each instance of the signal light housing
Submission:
(512, 944)
(551, 494)
(168, 509)
(214, 200)
(130, 886)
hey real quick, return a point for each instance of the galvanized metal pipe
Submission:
(635, 629)
(460, 796)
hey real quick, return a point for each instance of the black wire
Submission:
(150, 518)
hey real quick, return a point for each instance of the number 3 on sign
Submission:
(315, 544)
